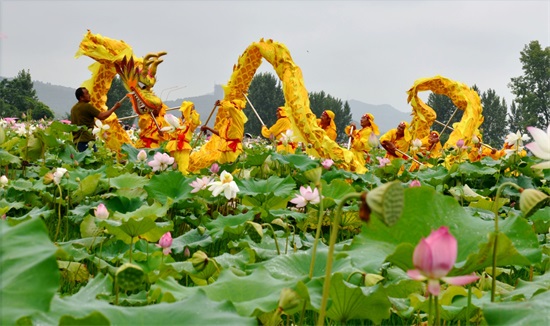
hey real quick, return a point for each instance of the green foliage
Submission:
(532, 89)
(29, 273)
(18, 97)
(230, 260)
(115, 94)
(266, 94)
(493, 128)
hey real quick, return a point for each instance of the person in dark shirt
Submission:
(83, 114)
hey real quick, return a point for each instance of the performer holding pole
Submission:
(281, 132)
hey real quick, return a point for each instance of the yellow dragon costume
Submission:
(462, 96)
(303, 120)
(138, 76)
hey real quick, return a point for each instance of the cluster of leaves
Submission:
(18, 98)
(234, 261)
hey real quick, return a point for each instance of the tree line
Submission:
(530, 107)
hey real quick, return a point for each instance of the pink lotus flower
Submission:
(165, 242)
(415, 183)
(161, 161)
(383, 161)
(65, 121)
(101, 212)
(215, 168)
(327, 163)
(434, 257)
(306, 196)
(200, 184)
(541, 146)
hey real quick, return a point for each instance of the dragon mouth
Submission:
(140, 105)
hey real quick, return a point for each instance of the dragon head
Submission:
(138, 76)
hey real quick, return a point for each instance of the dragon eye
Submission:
(142, 85)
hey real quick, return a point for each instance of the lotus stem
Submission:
(274, 237)
(495, 211)
(332, 243)
(318, 231)
(58, 215)
(436, 308)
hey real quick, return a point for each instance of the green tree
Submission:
(320, 101)
(115, 94)
(515, 119)
(494, 128)
(266, 94)
(17, 96)
(532, 89)
(444, 109)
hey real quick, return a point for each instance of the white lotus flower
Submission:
(516, 138)
(225, 185)
(287, 137)
(173, 123)
(416, 144)
(58, 174)
(100, 128)
(541, 146)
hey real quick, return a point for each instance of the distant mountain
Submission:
(61, 99)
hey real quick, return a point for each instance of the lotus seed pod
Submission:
(531, 200)
(199, 260)
(387, 202)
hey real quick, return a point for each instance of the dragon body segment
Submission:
(303, 120)
(462, 96)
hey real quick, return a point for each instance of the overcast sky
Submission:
(371, 51)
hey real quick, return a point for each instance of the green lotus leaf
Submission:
(29, 273)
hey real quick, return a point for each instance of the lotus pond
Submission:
(271, 239)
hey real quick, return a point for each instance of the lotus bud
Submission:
(387, 201)
(142, 156)
(215, 168)
(129, 277)
(199, 260)
(101, 212)
(186, 252)
(373, 140)
(48, 178)
(3, 181)
(372, 279)
(460, 143)
(288, 300)
(475, 140)
(531, 200)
